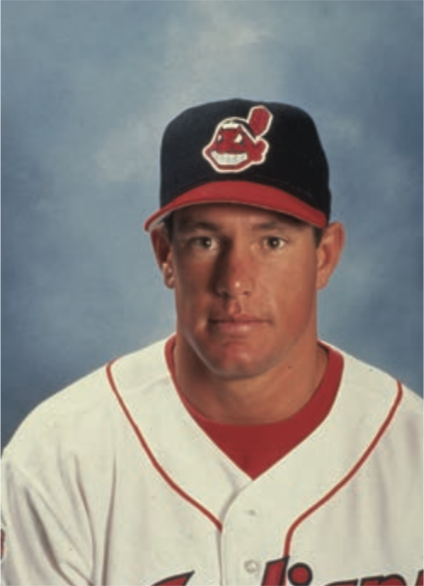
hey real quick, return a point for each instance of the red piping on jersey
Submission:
(150, 455)
(348, 476)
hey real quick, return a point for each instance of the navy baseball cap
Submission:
(262, 154)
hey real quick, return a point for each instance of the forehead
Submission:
(222, 214)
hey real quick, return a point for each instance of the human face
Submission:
(245, 283)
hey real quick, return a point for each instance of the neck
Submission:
(268, 397)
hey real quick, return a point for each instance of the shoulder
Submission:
(86, 411)
(362, 374)
(380, 420)
(372, 389)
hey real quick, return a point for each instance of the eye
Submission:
(238, 139)
(274, 242)
(203, 243)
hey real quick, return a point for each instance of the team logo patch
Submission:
(238, 144)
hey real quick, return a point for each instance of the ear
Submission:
(163, 253)
(329, 252)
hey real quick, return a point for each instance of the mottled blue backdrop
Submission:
(87, 89)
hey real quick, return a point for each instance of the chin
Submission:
(232, 358)
(236, 367)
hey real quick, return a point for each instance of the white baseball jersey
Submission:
(113, 482)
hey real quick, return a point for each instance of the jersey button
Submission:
(251, 566)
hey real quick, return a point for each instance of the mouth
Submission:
(229, 159)
(236, 325)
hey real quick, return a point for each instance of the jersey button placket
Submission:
(252, 566)
(242, 564)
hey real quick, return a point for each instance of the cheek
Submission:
(191, 278)
(191, 287)
(295, 292)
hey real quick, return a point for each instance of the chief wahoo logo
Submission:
(237, 143)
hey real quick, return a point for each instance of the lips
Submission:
(236, 319)
(236, 325)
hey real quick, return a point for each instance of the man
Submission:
(242, 450)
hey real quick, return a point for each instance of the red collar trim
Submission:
(255, 448)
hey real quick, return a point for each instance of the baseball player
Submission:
(242, 450)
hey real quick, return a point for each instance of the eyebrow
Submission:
(273, 224)
(188, 225)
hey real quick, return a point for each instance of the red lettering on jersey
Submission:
(275, 572)
(392, 580)
(344, 583)
(300, 575)
(179, 580)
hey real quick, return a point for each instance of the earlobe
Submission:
(168, 275)
(163, 253)
(329, 252)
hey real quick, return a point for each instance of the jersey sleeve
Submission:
(43, 538)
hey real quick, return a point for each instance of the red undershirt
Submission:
(255, 448)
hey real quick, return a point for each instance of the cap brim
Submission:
(242, 193)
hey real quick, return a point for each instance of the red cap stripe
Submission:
(242, 193)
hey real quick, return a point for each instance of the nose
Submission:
(235, 272)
